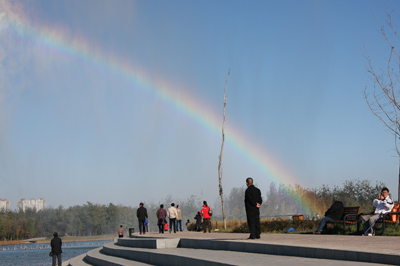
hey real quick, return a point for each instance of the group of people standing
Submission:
(253, 201)
(175, 218)
(204, 214)
(174, 215)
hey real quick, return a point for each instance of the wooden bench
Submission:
(351, 215)
(387, 218)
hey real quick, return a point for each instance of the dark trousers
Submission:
(58, 258)
(197, 226)
(207, 224)
(172, 224)
(253, 221)
(178, 225)
(141, 226)
(161, 226)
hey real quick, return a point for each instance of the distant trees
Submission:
(95, 219)
(88, 219)
(286, 200)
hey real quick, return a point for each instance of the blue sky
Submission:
(73, 130)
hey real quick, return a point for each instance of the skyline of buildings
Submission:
(34, 204)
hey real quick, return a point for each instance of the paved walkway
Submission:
(376, 244)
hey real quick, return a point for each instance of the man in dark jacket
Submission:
(252, 202)
(333, 213)
(142, 216)
(56, 251)
(198, 218)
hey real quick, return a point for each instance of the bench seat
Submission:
(351, 215)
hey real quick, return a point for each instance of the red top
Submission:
(204, 211)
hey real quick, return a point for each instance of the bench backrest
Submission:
(351, 210)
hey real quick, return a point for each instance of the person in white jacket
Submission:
(382, 204)
(172, 214)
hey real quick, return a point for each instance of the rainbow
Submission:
(58, 40)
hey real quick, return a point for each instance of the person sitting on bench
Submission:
(333, 213)
(382, 204)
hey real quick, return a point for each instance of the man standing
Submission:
(179, 219)
(142, 216)
(56, 251)
(382, 204)
(252, 202)
(172, 214)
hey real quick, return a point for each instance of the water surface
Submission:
(38, 254)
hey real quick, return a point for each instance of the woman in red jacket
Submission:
(205, 212)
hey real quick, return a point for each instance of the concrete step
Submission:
(125, 256)
(77, 261)
(194, 251)
(98, 258)
(290, 250)
(154, 243)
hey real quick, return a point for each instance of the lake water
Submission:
(38, 254)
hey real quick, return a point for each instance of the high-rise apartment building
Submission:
(36, 205)
(5, 205)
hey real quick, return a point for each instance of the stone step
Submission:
(77, 261)
(195, 251)
(98, 258)
(125, 256)
(154, 243)
(290, 250)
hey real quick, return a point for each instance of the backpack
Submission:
(396, 208)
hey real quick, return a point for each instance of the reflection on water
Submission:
(38, 254)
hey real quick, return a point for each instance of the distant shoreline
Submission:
(64, 239)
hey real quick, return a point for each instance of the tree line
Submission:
(96, 219)
(287, 200)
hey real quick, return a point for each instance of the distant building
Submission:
(33, 204)
(5, 205)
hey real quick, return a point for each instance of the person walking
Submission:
(205, 212)
(172, 214)
(120, 231)
(142, 216)
(56, 250)
(161, 216)
(179, 219)
(252, 202)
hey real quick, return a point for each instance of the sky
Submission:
(122, 101)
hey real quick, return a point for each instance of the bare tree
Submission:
(221, 193)
(384, 99)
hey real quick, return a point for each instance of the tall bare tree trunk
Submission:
(384, 102)
(221, 193)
